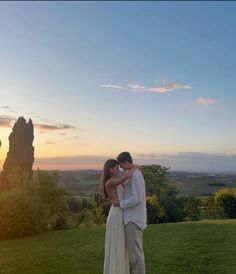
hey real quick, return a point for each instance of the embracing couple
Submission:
(127, 216)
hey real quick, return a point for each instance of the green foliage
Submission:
(98, 217)
(32, 205)
(89, 217)
(85, 217)
(61, 221)
(168, 208)
(51, 196)
(191, 209)
(155, 178)
(213, 211)
(155, 212)
(172, 205)
(16, 178)
(227, 199)
(105, 208)
(21, 214)
(74, 204)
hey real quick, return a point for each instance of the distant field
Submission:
(85, 183)
(176, 248)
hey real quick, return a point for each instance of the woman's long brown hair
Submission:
(106, 175)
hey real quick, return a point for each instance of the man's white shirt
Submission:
(134, 200)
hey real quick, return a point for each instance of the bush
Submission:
(191, 209)
(98, 217)
(172, 205)
(85, 217)
(61, 222)
(227, 199)
(74, 204)
(213, 211)
(32, 206)
(89, 217)
(20, 214)
(105, 208)
(156, 178)
(155, 212)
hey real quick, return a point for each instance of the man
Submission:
(135, 215)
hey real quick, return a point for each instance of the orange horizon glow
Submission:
(62, 166)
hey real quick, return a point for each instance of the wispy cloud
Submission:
(205, 101)
(5, 107)
(165, 87)
(6, 120)
(111, 86)
(53, 127)
(232, 153)
(49, 143)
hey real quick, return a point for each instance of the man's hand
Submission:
(116, 203)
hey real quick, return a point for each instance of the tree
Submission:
(155, 177)
(155, 212)
(21, 150)
(191, 208)
(226, 198)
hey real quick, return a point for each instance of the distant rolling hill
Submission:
(85, 183)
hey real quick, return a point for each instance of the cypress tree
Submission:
(21, 150)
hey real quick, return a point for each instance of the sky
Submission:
(156, 79)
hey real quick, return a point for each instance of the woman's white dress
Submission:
(116, 257)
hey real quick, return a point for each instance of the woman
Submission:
(116, 258)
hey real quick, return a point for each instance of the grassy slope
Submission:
(202, 247)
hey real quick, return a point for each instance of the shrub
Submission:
(172, 205)
(105, 208)
(98, 217)
(213, 211)
(89, 217)
(61, 221)
(226, 198)
(74, 204)
(20, 214)
(191, 209)
(32, 206)
(155, 212)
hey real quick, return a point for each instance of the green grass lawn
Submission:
(193, 247)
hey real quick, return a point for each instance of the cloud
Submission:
(232, 152)
(166, 87)
(192, 161)
(49, 143)
(6, 120)
(111, 86)
(205, 101)
(53, 127)
(5, 107)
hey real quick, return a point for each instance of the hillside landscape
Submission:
(85, 183)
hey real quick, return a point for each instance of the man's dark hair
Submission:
(125, 156)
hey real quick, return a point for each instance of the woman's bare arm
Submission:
(117, 181)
